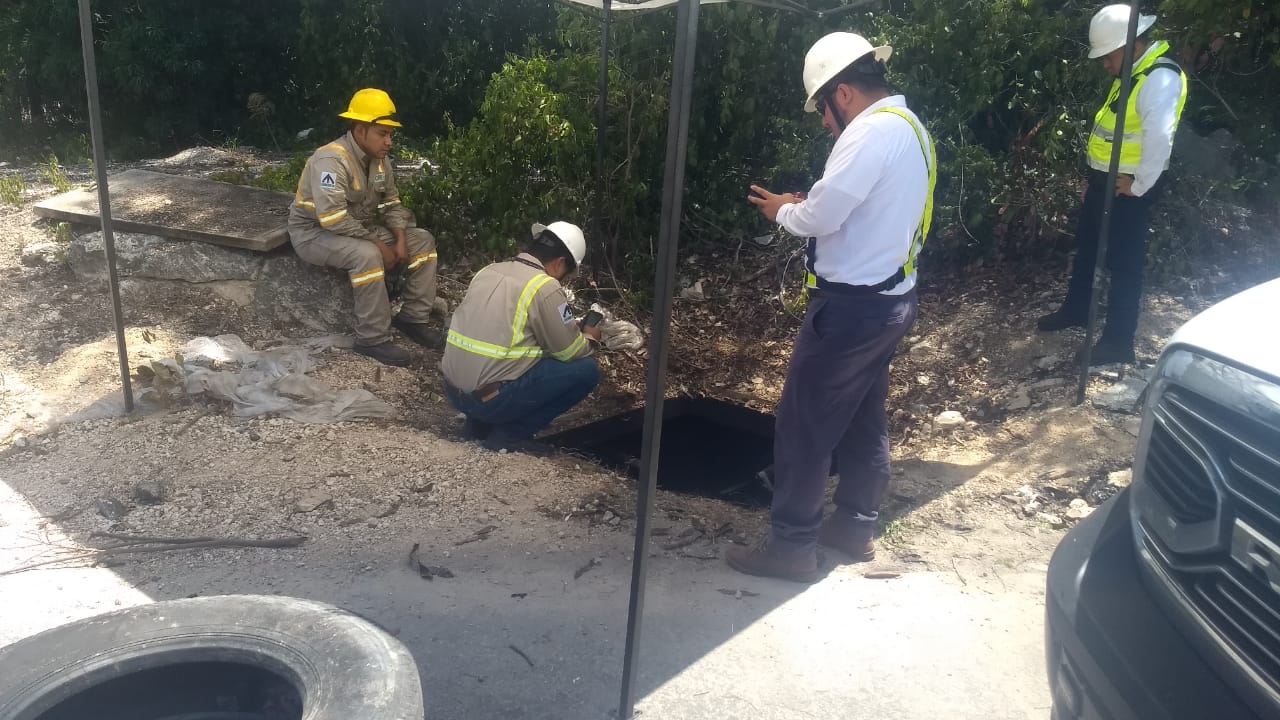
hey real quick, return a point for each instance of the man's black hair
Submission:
(866, 74)
(547, 246)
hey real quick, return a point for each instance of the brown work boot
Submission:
(421, 333)
(386, 352)
(852, 536)
(759, 560)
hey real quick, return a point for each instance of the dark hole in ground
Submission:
(709, 447)
(185, 691)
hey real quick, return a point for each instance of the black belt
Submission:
(482, 394)
(838, 288)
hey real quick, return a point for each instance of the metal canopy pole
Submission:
(104, 196)
(668, 240)
(1104, 234)
(601, 124)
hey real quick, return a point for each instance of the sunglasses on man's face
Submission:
(821, 105)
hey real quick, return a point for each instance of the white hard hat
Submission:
(569, 234)
(831, 54)
(1110, 28)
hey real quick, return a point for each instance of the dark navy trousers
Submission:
(1126, 258)
(833, 403)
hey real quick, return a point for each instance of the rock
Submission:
(281, 289)
(313, 500)
(1209, 157)
(1054, 521)
(1078, 503)
(1133, 426)
(1048, 383)
(291, 291)
(1078, 513)
(197, 157)
(157, 258)
(921, 348)
(111, 509)
(1120, 478)
(694, 292)
(948, 420)
(1048, 362)
(1021, 400)
(20, 440)
(149, 492)
(44, 253)
(1121, 397)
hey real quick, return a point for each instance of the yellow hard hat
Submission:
(372, 105)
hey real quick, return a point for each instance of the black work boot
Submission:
(1059, 319)
(385, 352)
(421, 333)
(1109, 352)
(760, 560)
(854, 537)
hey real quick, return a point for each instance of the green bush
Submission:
(527, 157)
(282, 178)
(1007, 97)
(12, 189)
(53, 173)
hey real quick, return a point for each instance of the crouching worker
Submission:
(347, 214)
(515, 358)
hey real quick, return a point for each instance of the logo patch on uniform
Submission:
(565, 313)
(328, 181)
(380, 177)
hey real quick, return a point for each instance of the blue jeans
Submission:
(530, 402)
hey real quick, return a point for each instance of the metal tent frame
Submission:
(668, 243)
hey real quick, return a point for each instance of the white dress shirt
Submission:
(865, 210)
(1158, 108)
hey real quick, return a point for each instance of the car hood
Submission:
(1244, 329)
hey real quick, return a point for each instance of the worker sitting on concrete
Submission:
(516, 357)
(347, 214)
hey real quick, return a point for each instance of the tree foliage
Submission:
(499, 99)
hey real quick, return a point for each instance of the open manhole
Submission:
(185, 691)
(709, 447)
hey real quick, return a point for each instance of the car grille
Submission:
(1244, 617)
(1193, 441)
(1178, 462)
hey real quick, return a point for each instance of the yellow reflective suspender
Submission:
(926, 219)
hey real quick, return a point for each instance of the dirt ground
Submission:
(992, 494)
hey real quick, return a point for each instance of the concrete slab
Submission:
(182, 208)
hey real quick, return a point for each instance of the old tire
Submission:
(216, 658)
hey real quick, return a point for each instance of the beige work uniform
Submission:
(513, 316)
(346, 202)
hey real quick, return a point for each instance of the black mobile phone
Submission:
(591, 319)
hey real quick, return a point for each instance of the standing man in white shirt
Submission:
(867, 219)
(1151, 118)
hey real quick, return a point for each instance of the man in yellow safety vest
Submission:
(1151, 117)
